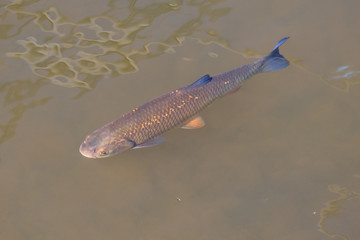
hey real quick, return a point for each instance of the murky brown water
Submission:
(277, 160)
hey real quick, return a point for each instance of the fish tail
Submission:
(274, 60)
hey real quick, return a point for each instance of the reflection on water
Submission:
(79, 54)
(335, 208)
(18, 97)
(111, 42)
(343, 77)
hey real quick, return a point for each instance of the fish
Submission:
(143, 125)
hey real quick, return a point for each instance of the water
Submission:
(277, 160)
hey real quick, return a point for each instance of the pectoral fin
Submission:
(150, 143)
(194, 123)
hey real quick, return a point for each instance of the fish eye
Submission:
(103, 153)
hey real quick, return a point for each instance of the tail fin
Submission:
(274, 60)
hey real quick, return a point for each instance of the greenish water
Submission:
(277, 160)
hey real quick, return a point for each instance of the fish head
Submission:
(101, 144)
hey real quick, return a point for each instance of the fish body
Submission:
(141, 126)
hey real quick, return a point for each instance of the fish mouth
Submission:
(86, 152)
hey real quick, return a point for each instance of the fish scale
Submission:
(162, 114)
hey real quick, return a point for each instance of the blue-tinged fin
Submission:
(274, 60)
(150, 143)
(198, 83)
(281, 42)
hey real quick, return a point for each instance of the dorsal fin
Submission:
(200, 82)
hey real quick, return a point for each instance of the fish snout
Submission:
(86, 151)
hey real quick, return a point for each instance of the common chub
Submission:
(142, 126)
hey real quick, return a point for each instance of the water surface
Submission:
(277, 160)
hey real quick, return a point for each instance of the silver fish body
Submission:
(141, 126)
